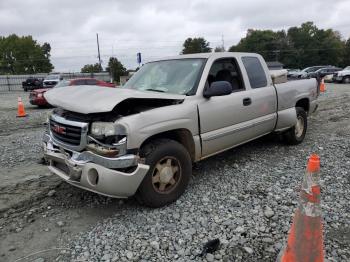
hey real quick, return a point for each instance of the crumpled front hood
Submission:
(96, 99)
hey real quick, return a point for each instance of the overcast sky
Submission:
(154, 27)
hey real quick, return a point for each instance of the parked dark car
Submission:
(32, 83)
(324, 72)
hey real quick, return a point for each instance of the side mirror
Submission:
(218, 88)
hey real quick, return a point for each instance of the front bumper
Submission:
(89, 171)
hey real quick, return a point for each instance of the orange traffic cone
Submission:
(305, 240)
(322, 86)
(20, 109)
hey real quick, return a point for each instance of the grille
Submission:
(66, 133)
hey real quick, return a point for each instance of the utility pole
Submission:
(98, 50)
(223, 42)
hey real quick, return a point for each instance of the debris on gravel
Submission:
(51, 193)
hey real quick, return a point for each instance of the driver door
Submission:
(226, 121)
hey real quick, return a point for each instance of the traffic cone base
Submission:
(305, 239)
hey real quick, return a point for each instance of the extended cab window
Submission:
(255, 71)
(226, 70)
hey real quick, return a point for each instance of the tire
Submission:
(169, 173)
(346, 80)
(296, 134)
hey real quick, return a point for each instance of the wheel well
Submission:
(183, 136)
(303, 103)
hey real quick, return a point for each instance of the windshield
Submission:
(52, 77)
(62, 83)
(347, 68)
(178, 76)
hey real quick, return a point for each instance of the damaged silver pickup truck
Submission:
(142, 139)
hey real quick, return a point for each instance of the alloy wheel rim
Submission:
(166, 175)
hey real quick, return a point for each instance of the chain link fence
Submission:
(14, 82)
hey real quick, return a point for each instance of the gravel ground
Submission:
(20, 137)
(245, 197)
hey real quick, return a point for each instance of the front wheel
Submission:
(169, 173)
(297, 133)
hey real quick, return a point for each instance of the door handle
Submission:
(247, 101)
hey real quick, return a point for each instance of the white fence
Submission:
(14, 82)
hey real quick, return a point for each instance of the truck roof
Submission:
(207, 55)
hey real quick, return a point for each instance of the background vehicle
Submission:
(51, 80)
(292, 72)
(342, 76)
(143, 138)
(36, 97)
(32, 83)
(304, 73)
(324, 72)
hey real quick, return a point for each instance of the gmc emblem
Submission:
(59, 129)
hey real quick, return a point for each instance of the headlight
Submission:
(103, 129)
(40, 95)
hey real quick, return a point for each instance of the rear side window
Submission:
(255, 71)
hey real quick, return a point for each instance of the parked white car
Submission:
(342, 76)
(52, 80)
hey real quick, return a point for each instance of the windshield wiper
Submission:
(155, 90)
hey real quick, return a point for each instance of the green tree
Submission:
(115, 68)
(195, 45)
(298, 47)
(23, 55)
(316, 46)
(92, 68)
(265, 42)
(346, 56)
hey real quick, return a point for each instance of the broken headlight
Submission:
(107, 138)
(99, 129)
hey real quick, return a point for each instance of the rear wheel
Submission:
(297, 133)
(169, 173)
(346, 80)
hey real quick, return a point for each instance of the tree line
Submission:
(298, 47)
